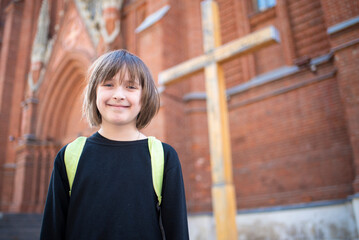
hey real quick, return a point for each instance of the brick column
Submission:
(342, 20)
(28, 160)
(34, 162)
(8, 66)
(25, 167)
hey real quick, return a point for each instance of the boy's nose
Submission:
(119, 94)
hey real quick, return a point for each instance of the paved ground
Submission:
(20, 226)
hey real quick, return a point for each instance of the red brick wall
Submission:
(309, 30)
(291, 147)
(339, 11)
(344, 45)
(347, 61)
(263, 63)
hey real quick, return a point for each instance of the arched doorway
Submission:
(58, 121)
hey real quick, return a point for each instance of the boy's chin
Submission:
(119, 123)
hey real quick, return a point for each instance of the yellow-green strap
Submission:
(74, 149)
(72, 156)
(157, 163)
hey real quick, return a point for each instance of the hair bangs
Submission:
(110, 67)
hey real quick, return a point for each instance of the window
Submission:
(264, 4)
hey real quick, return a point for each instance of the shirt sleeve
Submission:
(55, 212)
(173, 207)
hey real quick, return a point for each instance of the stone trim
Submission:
(324, 203)
(262, 79)
(90, 24)
(39, 45)
(9, 166)
(152, 19)
(343, 25)
(194, 96)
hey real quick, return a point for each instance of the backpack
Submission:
(74, 149)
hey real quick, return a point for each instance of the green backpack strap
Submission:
(157, 163)
(72, 156)
(74, 149)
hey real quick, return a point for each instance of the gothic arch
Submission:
(60, 100)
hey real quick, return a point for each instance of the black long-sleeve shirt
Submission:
(112, 195)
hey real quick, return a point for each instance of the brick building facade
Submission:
(293, 107)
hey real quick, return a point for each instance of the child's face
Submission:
(119, 100)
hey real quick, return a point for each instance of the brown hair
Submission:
(105, 68)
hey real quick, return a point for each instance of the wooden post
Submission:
(223, 192)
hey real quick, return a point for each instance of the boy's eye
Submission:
(107, 84)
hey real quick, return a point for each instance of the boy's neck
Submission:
(121, 133)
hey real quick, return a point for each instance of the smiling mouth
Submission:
(118, 106)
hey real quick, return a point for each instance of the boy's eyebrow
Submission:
(132, 80)
(127, 80)
(107, 80)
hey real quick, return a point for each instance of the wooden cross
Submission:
(223, 191)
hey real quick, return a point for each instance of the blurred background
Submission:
(293, 106)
